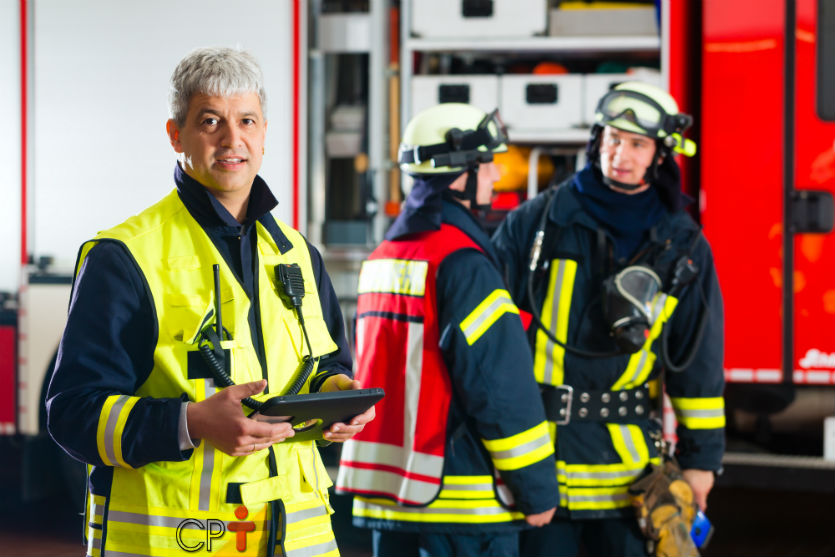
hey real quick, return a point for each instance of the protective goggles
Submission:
(492, 127)
(641, 111)
(461, 147)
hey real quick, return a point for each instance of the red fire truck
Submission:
(760, 78)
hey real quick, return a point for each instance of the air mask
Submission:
(627, 306)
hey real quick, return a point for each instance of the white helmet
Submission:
(642, 108)
(450, 138)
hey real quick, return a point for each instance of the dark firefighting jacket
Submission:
(603, 438)
(461, 443)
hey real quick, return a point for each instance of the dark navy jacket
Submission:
(588, 242)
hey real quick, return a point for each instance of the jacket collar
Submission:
(208, 211)
(422, 209)
(457, 215)
(567, 210)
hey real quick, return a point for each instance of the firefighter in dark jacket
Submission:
(463, 457)
(622, 284)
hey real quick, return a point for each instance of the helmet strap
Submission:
(470, 191)
(622, 185)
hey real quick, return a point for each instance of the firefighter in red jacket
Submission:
(459, 458)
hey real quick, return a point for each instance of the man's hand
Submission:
(701, 482)
(220, 420)
(540, 519)
(340, 432)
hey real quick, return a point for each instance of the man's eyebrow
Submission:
(207, 110)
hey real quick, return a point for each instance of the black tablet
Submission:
(313, 413)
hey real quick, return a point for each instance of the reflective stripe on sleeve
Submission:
(486, 313)
(700, 413)
(522, 449)
(114, 415)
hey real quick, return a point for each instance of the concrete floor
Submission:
(748, 521)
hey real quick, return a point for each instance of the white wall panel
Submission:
(101, 68)
(9, 144)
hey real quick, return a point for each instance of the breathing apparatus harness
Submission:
(626, 298)
(461, 149)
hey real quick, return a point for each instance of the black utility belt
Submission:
(564, 404)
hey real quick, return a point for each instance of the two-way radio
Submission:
(289, 277)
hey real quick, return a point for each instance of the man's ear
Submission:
(174, 135)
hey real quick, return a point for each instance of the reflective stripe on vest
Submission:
(177, 532)
(382, 470)
(178, 273)
(204, 460)
(95, 520)
(307, 531)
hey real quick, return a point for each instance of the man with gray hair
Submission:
(175, 304)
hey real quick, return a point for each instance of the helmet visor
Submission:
(492, 131)
(641, 111)
(461, 147)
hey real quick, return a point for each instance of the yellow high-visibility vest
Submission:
(175, 508)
